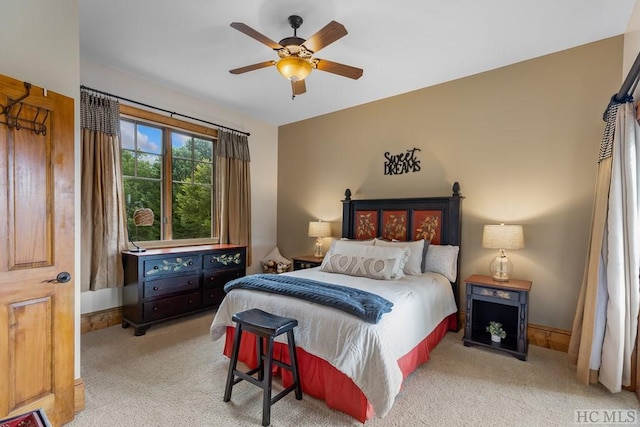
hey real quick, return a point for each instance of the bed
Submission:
(357, 366)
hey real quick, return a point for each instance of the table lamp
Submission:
(319, 229)
(502, 237)
(142, 217)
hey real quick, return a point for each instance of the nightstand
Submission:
(504, 302)
(306, 261)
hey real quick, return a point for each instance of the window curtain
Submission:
(103, 215)
(233, 190)
(606, 320)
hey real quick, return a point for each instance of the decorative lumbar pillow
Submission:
(413, 266)
(373, 268)
(443, 259)
(399, 255)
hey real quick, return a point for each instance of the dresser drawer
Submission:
(171, 306)
(220, 260)
(213, 296)
(171, 265)
(156, 288)
(495, 293)
(217, 279)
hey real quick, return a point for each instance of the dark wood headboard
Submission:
(437, 219)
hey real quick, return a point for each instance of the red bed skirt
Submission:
(321, 380)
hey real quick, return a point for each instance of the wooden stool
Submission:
(267, 326)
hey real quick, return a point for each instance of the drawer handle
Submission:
(212, 260)
(155, 308)
(155, 288)
(190, 301)
(155, 267)
(190, 282)
(190, 263)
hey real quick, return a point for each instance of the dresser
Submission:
(161, 284)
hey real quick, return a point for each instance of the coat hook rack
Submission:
(14, 121)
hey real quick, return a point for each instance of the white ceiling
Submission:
(402, 45)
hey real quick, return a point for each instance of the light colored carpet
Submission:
(175, 376)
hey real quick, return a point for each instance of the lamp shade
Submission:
(503, 237)
(294, 68)
(143, 217)
(319, 229)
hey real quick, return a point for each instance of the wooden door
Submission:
(36, 246)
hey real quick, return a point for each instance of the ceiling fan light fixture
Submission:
(294, 68)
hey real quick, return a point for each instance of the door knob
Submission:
(62, 277)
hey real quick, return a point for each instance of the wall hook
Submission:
(14, 121)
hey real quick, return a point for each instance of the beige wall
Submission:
(522, 141)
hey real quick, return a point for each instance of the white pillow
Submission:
(358, 242)
(399, 255)
(373, 268)
(413, 266)
(343, 244)
(443, 259)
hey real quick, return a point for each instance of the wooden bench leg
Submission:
(291, 341)
(266, 383)
(261, 355)
(233, 363)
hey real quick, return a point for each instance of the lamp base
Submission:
(136, 248)
(318, 253)
(501, 268)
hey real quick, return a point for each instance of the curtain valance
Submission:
(99, 113)
(233, 146)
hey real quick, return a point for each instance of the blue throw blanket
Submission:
(365, 305)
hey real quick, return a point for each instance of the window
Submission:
(191, 189)
(170, 171)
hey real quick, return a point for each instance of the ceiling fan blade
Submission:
(252, 67)
(325, 36)
(339, 69)
(244, 28)
(298, 87)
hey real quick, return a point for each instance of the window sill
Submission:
(174, 243)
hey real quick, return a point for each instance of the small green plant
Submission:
(495, 328)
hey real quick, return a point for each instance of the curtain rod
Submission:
(172, 113)
(632, 77)
(623, 94)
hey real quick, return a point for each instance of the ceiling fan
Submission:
(296, 54)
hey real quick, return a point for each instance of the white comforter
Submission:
(364, 352)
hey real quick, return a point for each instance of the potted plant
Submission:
(496, 331)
